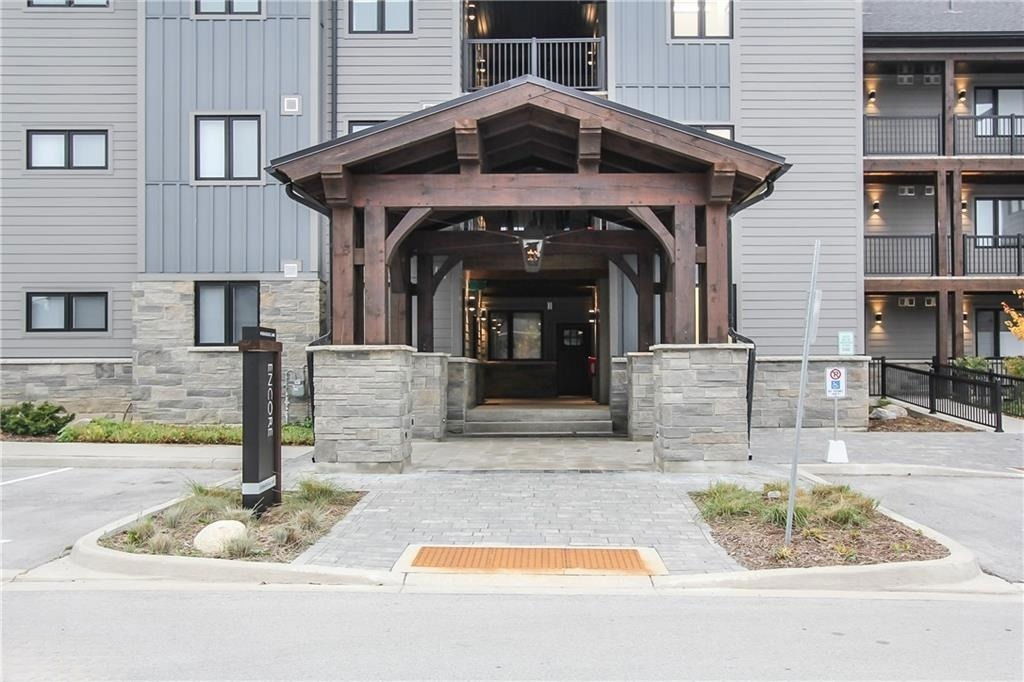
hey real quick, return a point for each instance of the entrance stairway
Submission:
(540, 418)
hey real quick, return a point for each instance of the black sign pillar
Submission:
(261, 418)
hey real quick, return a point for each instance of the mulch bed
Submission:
(916, 423)
(753, 544)
(260, 530)
(40, 439)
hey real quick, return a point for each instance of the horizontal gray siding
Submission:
(68, 230)
(903, 333)
(799, 95)
(225, 65)
(381, 76)
(684, 81)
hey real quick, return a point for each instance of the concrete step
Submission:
(532, 414)
(522, 428)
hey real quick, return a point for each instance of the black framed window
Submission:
(69, 149)
(992, 339)
(227, 147)
(701, 18)
(515, 335)
(356, 126)
(994, 217)
(66, 311)
(992, 103)
(227, 6)
(68, 3)
(223, 308)
(380, 16)
(727, 132)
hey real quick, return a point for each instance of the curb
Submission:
(904, 470)
(87, 553)
(115, 462)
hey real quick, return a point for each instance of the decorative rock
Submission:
(213, 538)
(888, 412)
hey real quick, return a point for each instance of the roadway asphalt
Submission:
(302, 633)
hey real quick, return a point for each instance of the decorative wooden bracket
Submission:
(409, 222)
(589, 148)
(721, 179)
(646, 216)
(467, 145)
(337, 187)
(449, 263)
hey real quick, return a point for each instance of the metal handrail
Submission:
(988, 135)
(899, 254)
(993, 254)
(573, 62)
(902, 135)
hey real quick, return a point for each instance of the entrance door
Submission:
(573, 349)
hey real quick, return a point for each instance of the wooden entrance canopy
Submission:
(626, 182)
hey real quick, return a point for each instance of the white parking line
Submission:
(28, 478)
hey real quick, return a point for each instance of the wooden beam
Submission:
(449, 263)
(536, 190)
(721, 180)
(620, 262)
(409, 222)
(717, 295)
(644, 302)
(646, 216)
(457, 242)
(957, 231)
(425, 302)
(966, 164)
(588, 154)
(942, 215)
(958, 324)
(375, 276)
(342, 276)
(337, 187)
(436, 147)
(918, 285)
(684, 274)
(629, 241)
(943, 333)
(467, 146)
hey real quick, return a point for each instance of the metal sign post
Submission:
(261, 418)
(835, 388)
(810, 332)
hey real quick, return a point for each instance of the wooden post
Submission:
(958, 323)
(375, 276)
(684, 274)
(398, 320)
(957, 250)
(644, 302)
(425, 302)
(667, 301)
(342, 276)
(716, 295)
(942, 330)
(949, 105)
(942, 220)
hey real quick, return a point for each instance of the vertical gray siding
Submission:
(799, 95)
(381, 76)
(684, 81)
(226, 65)
(68, 230)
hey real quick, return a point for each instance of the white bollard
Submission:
(836, 452)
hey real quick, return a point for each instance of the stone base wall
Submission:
(177, 382)
(464, 391)
(640, 395)
(618, 395)
(429, 395)
(364, 407)
(777, 388)
(700, 406)
(87, 388)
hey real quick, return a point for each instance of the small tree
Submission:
(1016, 322)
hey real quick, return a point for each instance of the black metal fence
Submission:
(902, 135)
(902, 254)
(942, 389)
(989, 135)
(1001, 254)
(1011, 387)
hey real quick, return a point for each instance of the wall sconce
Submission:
(962, 96)
(876, 207)
(593, 315)
(872, 96)
(533, 250)
(965, 318)
(878, 317)
(963, 206)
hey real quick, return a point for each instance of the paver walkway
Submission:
(553, 509)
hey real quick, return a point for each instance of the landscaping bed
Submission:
(916, 423)
(279, 535)
(833, 526)
(109, 431)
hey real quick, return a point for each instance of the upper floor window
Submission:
(227, 147)
(380, 16)
(1000, 111)
(701, 18)
(67, 3)
(997, 217)
(223, 309)
(227, 6)
(66, 312)
(77, 149)
(356, 126)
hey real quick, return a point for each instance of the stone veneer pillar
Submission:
(618, 395)
(429, 395)
(363, 407)
(700, 406)
(640, 395)
(463, 391)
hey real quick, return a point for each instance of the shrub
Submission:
(242, 546)
(161, 543)
(142, 531)
(109, 431)
(237, 514)
(311, 519)
(319, 491)
(724, 500)
(29, 419)
(776, 514)
(287, 535)
(782, 553)
(1014, 366)
(175, 516)
(972, 362)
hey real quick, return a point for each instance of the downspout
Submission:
(333, 108)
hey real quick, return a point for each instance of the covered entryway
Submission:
(519, 200)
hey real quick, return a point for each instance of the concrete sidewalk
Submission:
(129, 455)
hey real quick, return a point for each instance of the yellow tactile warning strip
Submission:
(556, 560)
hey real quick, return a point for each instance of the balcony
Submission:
(573, 62)
(902, 135)
(994, 255)
(891, 255)
(989, 135)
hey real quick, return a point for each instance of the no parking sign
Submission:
(835, 382)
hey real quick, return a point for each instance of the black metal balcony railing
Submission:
(573, 62)
(988, 135)
(995, 255)
(902, 135)
(899, 254)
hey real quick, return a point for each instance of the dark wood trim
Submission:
(644, 301)
(620, 262)
(588, 152)
(958, 324)
(446, 267)
(684, 275)
(716, 297)
(647, 217)
(968, 285)
(342, 275)
(944, 334)
(957, 229)
(942, 221)
(932, 164)
(375, 276)
(721, 179)
(425, 302)
(409, 222)
(467, 146)
(948, 106)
